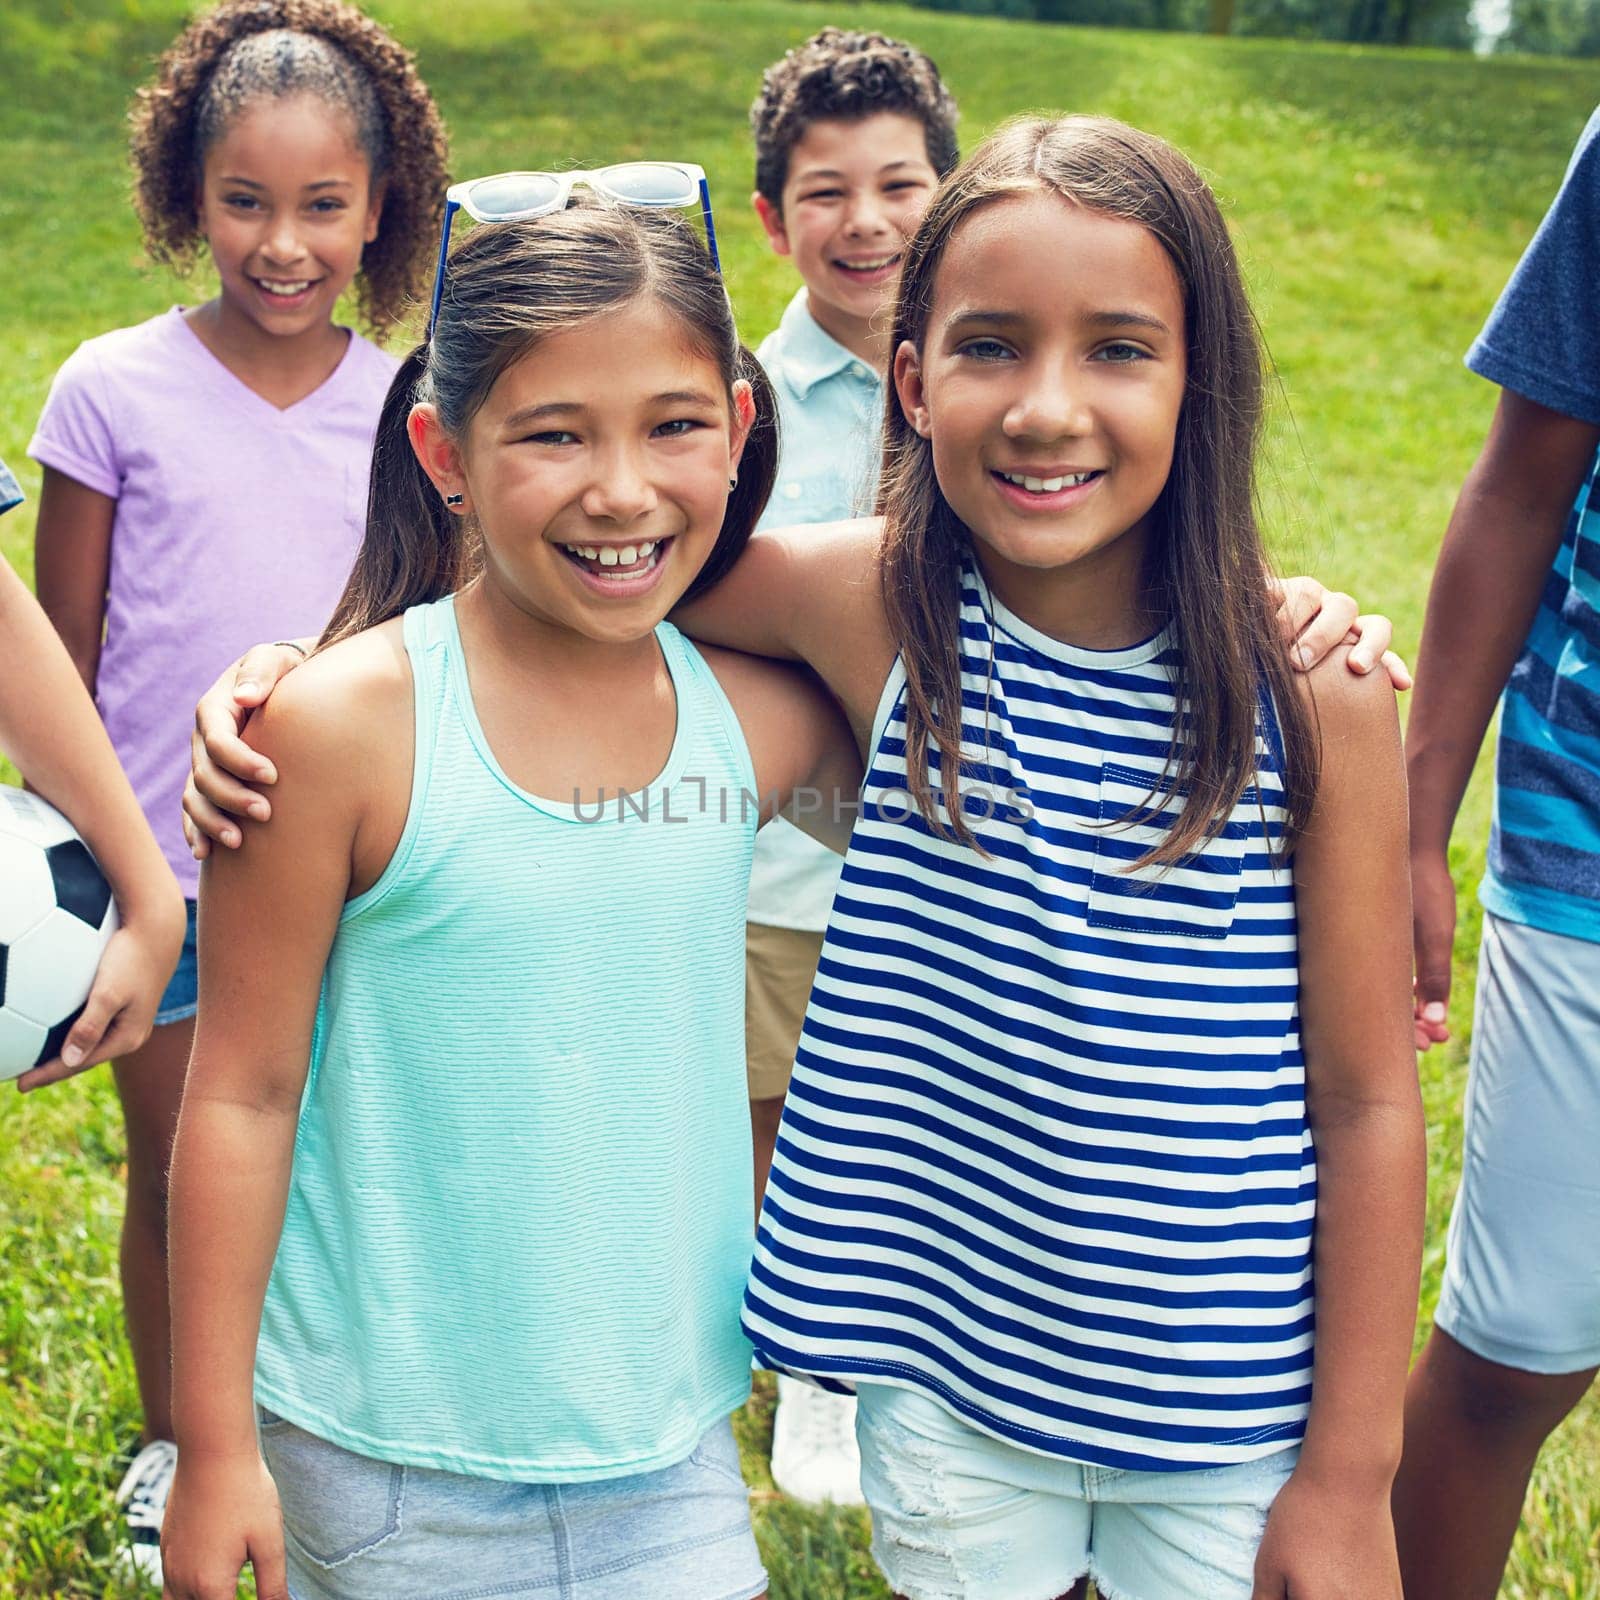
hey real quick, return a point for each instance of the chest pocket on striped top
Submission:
(1193, 898)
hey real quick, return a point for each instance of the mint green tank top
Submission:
(518, 1223)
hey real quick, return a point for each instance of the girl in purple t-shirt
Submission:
(206, 472)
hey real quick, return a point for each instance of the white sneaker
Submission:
(142, 1494)
(814, 1454)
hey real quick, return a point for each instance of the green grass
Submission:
(1380, 199)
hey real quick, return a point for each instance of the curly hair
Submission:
(841, 76)
(250, 49)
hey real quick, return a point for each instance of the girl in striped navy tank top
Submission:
(461, 1188)
(1101, 1173)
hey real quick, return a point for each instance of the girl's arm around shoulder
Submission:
(811, 594)
(1330, 1534)
(340, 732)
(805, 758)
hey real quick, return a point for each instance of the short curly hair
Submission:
(248, 49)
(841, 76)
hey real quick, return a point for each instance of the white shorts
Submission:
(1522, 1273)
(960, 1515)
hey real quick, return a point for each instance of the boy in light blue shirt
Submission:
(853, 132)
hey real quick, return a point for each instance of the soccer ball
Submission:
(56, 917)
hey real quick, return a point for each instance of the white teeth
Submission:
(1046, 485)
(640, 559)
(285, 290)
(871, 266)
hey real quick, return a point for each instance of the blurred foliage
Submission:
(1442, 23)
(1554, 28)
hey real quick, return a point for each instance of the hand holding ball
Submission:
(56, 918)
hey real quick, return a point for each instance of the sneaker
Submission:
(814, 1454)
(142, 1494)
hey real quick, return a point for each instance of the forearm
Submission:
(50, 729)
(1497, 555)
(230, 1178)
(1486, 588)
(1371, 1185)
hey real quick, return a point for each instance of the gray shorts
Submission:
(1522, 1275)
(359, 1529)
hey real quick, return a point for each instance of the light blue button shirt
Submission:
(830, 414)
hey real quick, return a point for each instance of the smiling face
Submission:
(287, 205)
(854, 194)
(1050, 382)
(598, 470)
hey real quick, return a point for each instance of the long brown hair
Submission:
(508, 285)
(1207, 566)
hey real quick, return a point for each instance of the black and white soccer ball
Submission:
(56, 917)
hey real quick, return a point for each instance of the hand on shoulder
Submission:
(342, 706)
(339, 732)
(1348, 703)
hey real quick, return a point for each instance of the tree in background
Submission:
(1445, 23)
(1554, 28)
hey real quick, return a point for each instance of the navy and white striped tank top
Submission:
(1045, 1156)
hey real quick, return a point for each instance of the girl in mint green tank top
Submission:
(461, 1193)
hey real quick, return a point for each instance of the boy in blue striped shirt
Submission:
(1515, 605)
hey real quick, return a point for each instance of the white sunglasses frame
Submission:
(458, 197)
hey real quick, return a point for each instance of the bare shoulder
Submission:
(342, 705)
(1348, 706)
(1361, 786)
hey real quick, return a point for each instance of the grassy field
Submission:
(1380, 200)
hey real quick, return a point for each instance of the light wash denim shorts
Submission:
(1522, 1265)
(960, 1515)
(359, 1529)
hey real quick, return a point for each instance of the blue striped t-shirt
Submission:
(1045, 1156)
(1543, 341)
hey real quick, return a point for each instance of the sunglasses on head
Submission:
(518, 196)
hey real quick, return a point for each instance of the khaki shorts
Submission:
(779, 966)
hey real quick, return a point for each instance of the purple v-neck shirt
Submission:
(235, 522)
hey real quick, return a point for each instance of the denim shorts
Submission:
(182, 997)
(359, 1529)
(960, 1515)
(1522, 1268)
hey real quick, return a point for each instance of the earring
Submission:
(454, 499)
(733, 482)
